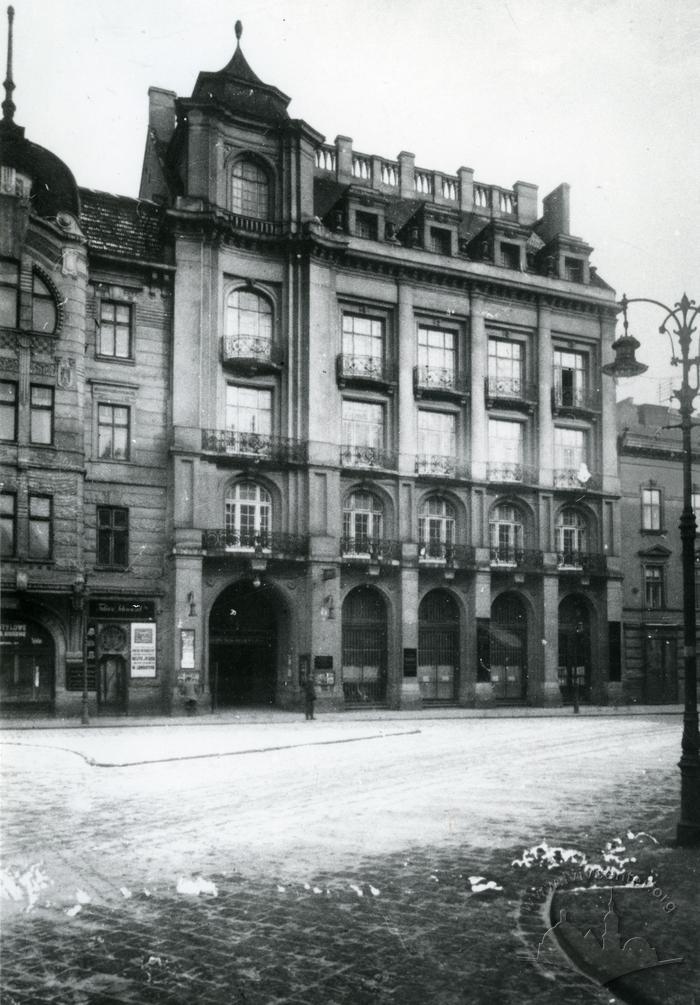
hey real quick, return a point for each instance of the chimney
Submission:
(161, 112)
(555, 216)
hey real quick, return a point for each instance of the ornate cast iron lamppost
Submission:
(681, 320)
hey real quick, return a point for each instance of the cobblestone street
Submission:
(364, 862)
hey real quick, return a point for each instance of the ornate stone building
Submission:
(349, 409)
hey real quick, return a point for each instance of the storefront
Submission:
(27, 662)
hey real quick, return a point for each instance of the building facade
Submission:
(330, 413)
(651, 482)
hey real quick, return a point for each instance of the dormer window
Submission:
(441, 241)
(510, 255)
(573, 270)
(250, 190)
(366, 225)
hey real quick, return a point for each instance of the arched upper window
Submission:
(248, 317)
(571, 536)
(248, 511)
(506, 534)
(44, 313)
(363, 523)
(250, 190)
(436, 528)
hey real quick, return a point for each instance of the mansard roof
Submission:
(124, 227)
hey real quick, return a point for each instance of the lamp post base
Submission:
(688, 830)
(84, 713)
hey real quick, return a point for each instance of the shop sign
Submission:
(123, 610)
(143, 650)
(12, 633)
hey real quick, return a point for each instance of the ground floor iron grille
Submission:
(364, 647)
(438, 647)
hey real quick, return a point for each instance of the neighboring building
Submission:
(651, 478)
(374, 445)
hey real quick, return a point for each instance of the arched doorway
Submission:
(438, 646)
(26, 665)
(574, 649)
(364, 646)
(243, 633)
(508, 647)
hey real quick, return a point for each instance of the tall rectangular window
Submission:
(651, 509)
(112, 536)
(41, 414)
(40, 530)
(363, 337)
(8, 535)
(569, 448)
(363, 424)
(9, 287)
(505, 363)
(113, 432)
(569, 378)
(8, 410)
(248, 410)
(440, 241)
(653, 587)
(436, 354)
(505, 442)
(114, 334)
(436, 433)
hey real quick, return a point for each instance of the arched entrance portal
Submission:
(364, 646)
(508, 647)
(574, 649)
(438, 646)
(243, 632)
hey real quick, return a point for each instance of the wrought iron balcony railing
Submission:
(588, 562)
(450, 554)
(512, 471)
(575, 399)
(438, 381)
(367, 457)
(525, 559)
(441, 466)
(264, 543)
(370, 549)
(250, 350)
(254, 446)
(576, 479)
(364, 370)
(510, 391)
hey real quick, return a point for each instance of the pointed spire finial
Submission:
(239, 32)
(8, 105)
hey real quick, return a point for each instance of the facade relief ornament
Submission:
(65, 371)
(42, 368)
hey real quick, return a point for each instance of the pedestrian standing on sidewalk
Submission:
(309, 696)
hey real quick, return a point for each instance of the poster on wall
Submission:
(143, 650)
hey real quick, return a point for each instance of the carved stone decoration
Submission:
(42, 368)
(112, 638)
(9, 365)
(65, 371)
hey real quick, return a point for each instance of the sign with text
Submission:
(143, 649)
(123, 610)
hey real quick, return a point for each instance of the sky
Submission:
(602, 94)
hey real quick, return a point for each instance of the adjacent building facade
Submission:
(651, 477)
(298, 410)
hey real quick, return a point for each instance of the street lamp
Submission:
(681, 320)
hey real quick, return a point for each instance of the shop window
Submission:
(8, 524)
(250, 190)
(40, 526)
(112, 537)
(113, 432)
(114, 331)
(41, 414)
(44, 312)
(9, 293)
(651, 509)
(8, 410)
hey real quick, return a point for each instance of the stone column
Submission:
(546, 690)
(545, 429)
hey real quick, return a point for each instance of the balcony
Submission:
(370, 550)
(441, 466)
(439, 382)
(261, 545)
(516, 559)
(250, 354)
(512, 472)
(575, 400)
(586, 563)
(255, 447)
(576, 479)
(441, 553)
(253, 225)
(510, 392)
(367, 457)
(364, 371)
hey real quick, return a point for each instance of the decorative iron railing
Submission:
(450, 554)
(517, 558)
(255, 446)
(576, 479)
(512, 471)
(439, 379)
(441, 466)
(272, 544)
(576, 398)
(367, 457)
(589, 562)
(250, 347)
(510, 389)
(369, 368)
(370, 549)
